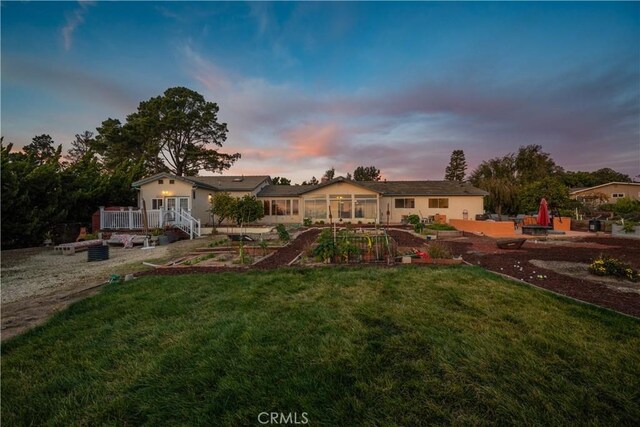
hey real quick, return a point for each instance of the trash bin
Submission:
(594, 225)
(98, 253)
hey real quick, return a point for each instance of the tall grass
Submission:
(409, 346)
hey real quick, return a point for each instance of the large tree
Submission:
(532, 164)
(40, 149)
(81, 146)
(177, 132)
(497, 177)
(457, 167)
(366, 173)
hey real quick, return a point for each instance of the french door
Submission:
(181, 203)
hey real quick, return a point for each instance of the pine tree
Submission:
(457, 167)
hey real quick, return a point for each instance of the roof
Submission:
(385, 188)
(231, 183)
(219, 183)
(581, 189)
(424, 188)
(285, 190)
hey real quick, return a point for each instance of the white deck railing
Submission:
(131, 219)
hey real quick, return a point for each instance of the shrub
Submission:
(307, 222)
(283, 234)
(626, 206)
(629, 226)
(419, 227)
(438, 250)
(413, 219)
(604, 266)
(326, 248)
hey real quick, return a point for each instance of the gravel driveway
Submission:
(36, 282)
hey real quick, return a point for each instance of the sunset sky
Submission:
(307, 86)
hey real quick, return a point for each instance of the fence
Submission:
(132, 219)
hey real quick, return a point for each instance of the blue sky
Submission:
(307, 86)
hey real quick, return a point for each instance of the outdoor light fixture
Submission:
(165, 193)
(210, 197)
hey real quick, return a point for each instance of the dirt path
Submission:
(36, 282)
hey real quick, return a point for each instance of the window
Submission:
(160, 181)
(617, 195)
(193, 194)
(405, 203)
(267, 207)
(281, 207)
(340, 205)
(294, 207)
(365, 207)
(439, 203)
(172, 181)
(315, 208)
(156, 203)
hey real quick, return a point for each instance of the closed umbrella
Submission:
(543, 214)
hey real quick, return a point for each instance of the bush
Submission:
(413, 219)
(604, 266)
(626, 207)
(419, 227)
(326, 248)
(283, 234)
(307, 222)
(438, 251)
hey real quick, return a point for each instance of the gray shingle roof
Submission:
(385, 188)
(423, 188)
(230, 183)
(285, 190)
(221, 183)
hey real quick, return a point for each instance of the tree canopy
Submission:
(280, 180)
(366, 173)
(457, 168)
(177, 132)
(329, 174)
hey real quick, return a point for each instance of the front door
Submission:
(173, 203)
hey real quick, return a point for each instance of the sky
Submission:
(306, 86)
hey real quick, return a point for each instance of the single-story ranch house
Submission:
(606, 193)
(350, 201)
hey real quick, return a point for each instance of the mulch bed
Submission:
(482, 251)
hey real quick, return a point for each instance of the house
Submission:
(606, 193)
(185, 201)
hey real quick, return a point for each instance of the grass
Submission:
(401, 346)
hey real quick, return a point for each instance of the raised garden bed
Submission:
(534, 230)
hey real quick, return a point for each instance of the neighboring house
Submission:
(346, 200)
(606, 193)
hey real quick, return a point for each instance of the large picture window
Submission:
(365, 207)
(405, 203)
(340, 205)
(315, 208)
(439, 203)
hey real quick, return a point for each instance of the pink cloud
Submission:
(312, 140)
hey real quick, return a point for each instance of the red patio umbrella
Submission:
(543, 213)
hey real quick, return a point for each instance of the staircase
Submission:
(187, 223)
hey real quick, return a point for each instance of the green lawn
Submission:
(402, 346)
